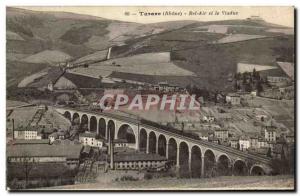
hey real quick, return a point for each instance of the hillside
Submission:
(75, 35)
(209, 50)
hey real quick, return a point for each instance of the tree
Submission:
(27, 165)
(269, 153)
(259, 86)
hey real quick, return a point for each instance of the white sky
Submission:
(283, 15)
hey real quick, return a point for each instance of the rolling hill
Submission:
(197, 47)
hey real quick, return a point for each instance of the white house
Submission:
(89, 139)
(270, 133)
(27, 133)
(244, 144)
(233, 99)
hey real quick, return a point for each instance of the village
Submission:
(96, 102)
(241, 120)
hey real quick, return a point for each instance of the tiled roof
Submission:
(120, 157)
(33, 141)
(44, 150)
(88, 134)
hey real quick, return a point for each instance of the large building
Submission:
(26, 133)
(270, 133)
(44, 153)
(221, 134)
(89, 139)
(139, 161)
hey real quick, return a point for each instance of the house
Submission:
(139, 161)
(121, 143)
(244, 143)
(208, 119)
(270, 133)
(233, 99)
(165, 87)
(254, 142)
(204, 136)
(90, 139)
(27, 133)
(60, 135)
(221, 134)
(278, 80)
(234, 142)
(290, 138)
(262, 143)
(213, 140)
(271, 145)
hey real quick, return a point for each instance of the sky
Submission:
(282, 15)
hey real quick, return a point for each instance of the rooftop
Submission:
(33, 141)
(129, 156)
(44, 150)
(271, 129)
(88, 134)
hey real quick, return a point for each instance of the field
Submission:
(98, 55)
(238, 38)
(48, 56)
(192, 53)
(32, 78)
(13, 36)
(244, 67)
(218, 183)
(146, 64)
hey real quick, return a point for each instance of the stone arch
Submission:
(257, 170)
(76, 118)
(102, 128)
(143, 140)
(84, 123)
(184, 159)
(152, 142)
(223, 165)
(209, 163)
(126, 132)
(93, 124)
(172, 150)
(67, 115)
(240, 168)
(111, 127)
(196, 162)
(162, 145)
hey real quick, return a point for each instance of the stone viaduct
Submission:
(191, 155)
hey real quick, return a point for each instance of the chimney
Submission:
(111, 153)
(13, 128)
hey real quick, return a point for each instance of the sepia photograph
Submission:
(150, 98)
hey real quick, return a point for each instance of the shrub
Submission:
(148, 176)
